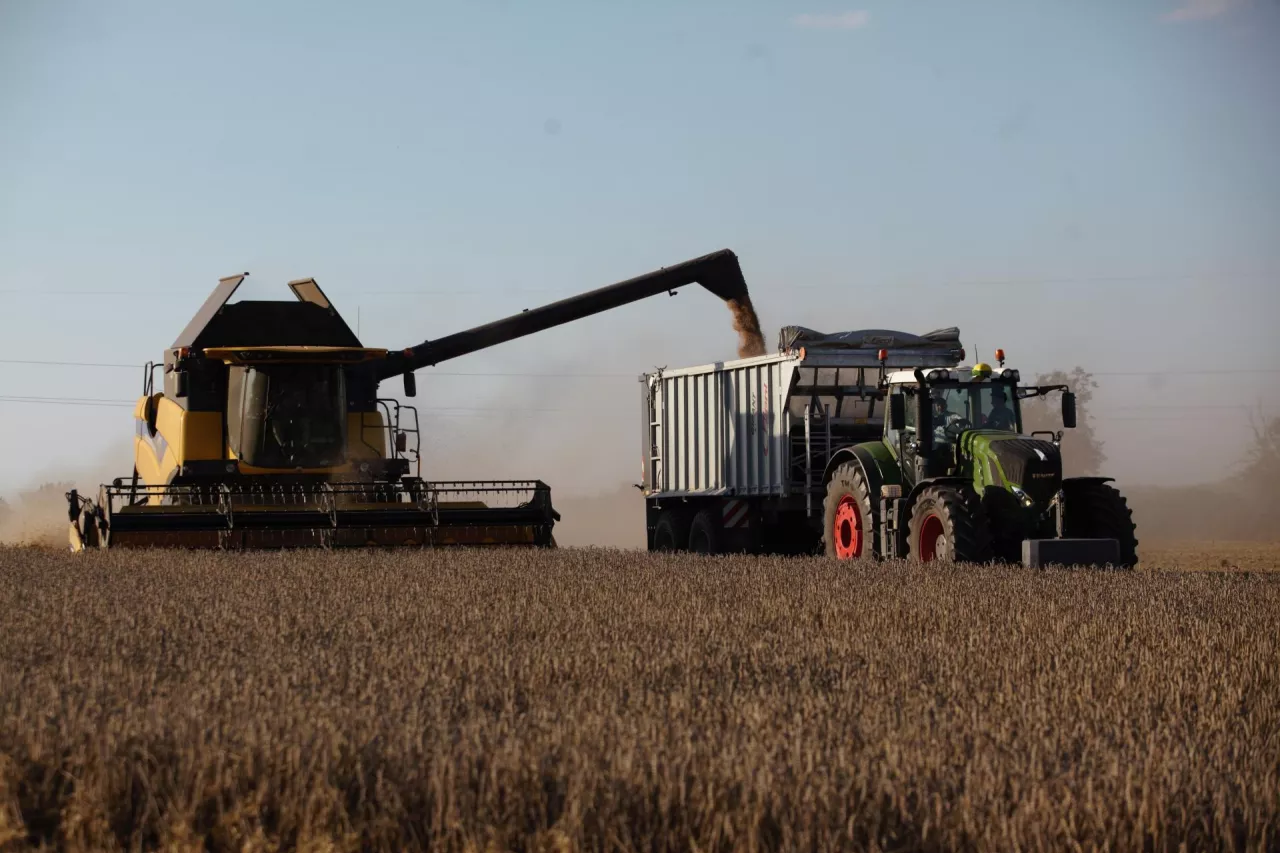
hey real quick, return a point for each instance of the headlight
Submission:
(938, 375)
(1011, 375)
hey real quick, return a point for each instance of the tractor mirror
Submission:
(402, 442)
(181, 383)
(1068, 410)
(410, 384)
(897, 412)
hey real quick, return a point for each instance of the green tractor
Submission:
(954, 478)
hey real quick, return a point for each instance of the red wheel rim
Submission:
(847, 530)
(930, 532)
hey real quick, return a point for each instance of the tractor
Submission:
(956, 477)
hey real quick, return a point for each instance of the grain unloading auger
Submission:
(269, 431)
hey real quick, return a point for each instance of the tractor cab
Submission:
(937, 416)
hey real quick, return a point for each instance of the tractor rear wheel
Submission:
(704, 533)
(948, 525)
(848, 517)
(671, 532)
(1098, 511)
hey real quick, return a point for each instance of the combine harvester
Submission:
(866, 445)
(269, 431)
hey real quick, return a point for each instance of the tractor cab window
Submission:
(893, 436)
(967, 406)
(995, 407)
(287, 416)
(910, 412)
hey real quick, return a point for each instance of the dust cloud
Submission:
(747, 325)
(36, 517)
(609, 519)
(586, 466)
(591, 460)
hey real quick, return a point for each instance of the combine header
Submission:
(268, 431)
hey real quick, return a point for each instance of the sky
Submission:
(1083, 183)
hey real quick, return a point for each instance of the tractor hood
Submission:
(1005, 460)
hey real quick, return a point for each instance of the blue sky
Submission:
(1090, 183)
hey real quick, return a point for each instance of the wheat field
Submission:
(606, 700)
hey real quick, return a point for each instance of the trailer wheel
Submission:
(671, 532)
(704, 534)
(948, 525)
(848, 519)
(1098, 511)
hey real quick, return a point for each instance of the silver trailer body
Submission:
(758, 427)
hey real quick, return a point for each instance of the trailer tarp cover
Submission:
(794, 337)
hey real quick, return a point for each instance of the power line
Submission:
(1107, 279)
(1211, 372)
(69, 363)
(590, 375)
(432, 410)
(493, 412)
(432, 372)
(54, 401)
(1211, 276)
(66, 399)
(1174, 407)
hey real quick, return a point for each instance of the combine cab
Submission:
(267, 431)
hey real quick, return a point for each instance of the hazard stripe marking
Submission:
(734, 513)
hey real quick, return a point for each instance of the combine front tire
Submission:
(848, 522)
(948, 525)
(1098, 511)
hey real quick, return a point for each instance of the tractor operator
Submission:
(941, 415)
(1001, 416)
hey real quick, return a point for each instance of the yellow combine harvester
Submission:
(269, 432)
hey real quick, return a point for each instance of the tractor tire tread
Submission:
(962, 511)
(849, 479)
(1098, 510)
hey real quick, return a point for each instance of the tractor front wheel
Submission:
(848, 519)
(948, 525)
(1098, 511)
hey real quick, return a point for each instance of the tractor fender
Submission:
(878, 471)
(1066, 480)
(934, 481)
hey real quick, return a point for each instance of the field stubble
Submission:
(608, 700)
